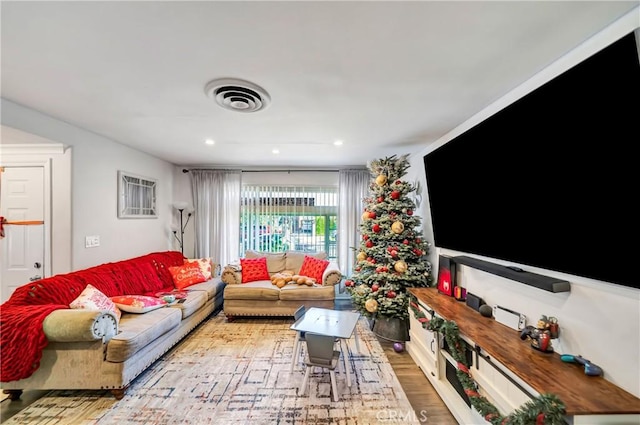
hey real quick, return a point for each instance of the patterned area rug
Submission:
(238, 373)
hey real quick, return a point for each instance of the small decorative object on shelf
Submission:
(554, 327)
(540, 335)
(398, 347)
(589, 368)
(447, 276)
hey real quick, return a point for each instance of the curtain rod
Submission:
(185, 170)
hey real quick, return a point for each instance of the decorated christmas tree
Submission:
(392, 255)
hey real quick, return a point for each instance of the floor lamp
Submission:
(181, 207)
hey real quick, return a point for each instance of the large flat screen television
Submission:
(552, 180)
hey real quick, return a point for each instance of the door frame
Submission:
(36, 155)
(46, 165)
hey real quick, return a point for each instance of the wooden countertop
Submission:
(544, 372)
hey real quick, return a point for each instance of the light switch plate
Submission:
(91, 241)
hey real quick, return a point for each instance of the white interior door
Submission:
(22, 247)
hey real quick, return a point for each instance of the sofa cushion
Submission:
(211, 287)
(259, 290)
(191, 304)
(294, 259)
(138, 330)
(297, 292)
(313, 268)
(187, 274)
(275, 260)
(254, 269)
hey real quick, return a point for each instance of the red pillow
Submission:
(186, 275)
(254, 269)
(313, 268)
(137, 303)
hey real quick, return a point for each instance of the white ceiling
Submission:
(384, 77)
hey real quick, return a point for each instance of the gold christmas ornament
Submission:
(361, 256)
(381, 180)
(397, 227)
(371, 305)
(365, 216)
(400, 266)
(362, 289)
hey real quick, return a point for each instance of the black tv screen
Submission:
(551, 180)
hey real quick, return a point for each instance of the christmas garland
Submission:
(543, 410)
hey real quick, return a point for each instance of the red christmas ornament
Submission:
(406, 241)
(376, 228)
(372, 214)
(394, 253)
(391, 294)
(395, 194)
(365, 237)
(380, 199)
(375, 287)
(369, 244)
(398, 181)
(348, 283)
(409, 212)
(540, 419)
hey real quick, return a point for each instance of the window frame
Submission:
(126, 184)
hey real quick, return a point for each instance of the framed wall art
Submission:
(136, 196)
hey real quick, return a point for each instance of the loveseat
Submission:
(260, 297)
(45, 344)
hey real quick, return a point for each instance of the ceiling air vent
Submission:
(238, 95)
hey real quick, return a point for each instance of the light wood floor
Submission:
(426, 403)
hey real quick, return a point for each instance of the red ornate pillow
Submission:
(186, 275)
(254, 269)
(92, 299)
(314, 268)
(137, 303)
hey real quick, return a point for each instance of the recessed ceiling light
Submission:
(210, 142)
(275, 151)
(338, 143)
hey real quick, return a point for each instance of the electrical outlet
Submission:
(91, 241)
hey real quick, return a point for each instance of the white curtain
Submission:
(216, 197)
(353, 187)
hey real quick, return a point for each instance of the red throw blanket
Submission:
(22, 338)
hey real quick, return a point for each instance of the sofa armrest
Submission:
(332, 275)
(231, 275)
(76, 325)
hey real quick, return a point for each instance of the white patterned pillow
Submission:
(92, 299)
(206, 266)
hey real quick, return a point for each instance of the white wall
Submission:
(95, 164)
(598, 320)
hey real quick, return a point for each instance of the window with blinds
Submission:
(279, 218)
